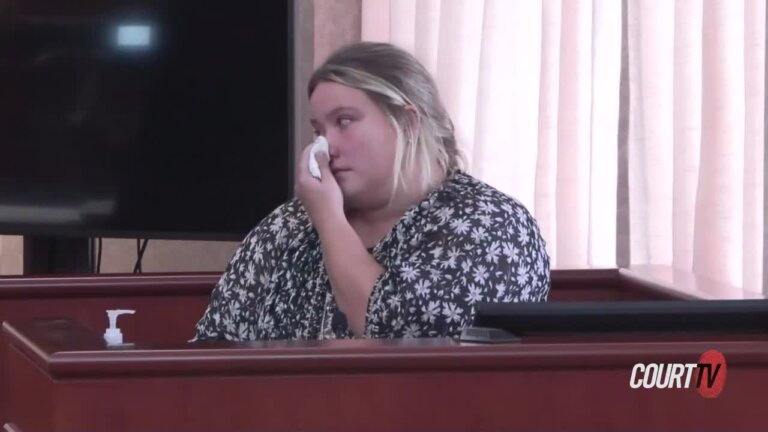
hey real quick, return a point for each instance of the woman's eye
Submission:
(344, 121)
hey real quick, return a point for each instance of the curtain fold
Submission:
(532, 87)
(536, 90)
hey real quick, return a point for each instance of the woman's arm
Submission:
(232, 312)
(486, 254)
(351, 269)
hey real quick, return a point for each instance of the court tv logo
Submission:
(707, 376)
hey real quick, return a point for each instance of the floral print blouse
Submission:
(465, 243)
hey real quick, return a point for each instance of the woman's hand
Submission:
(322, 198)
(351, 269)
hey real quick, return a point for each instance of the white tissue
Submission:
(319, 145)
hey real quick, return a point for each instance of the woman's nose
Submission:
(333, 148)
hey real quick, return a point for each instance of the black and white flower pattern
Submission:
(465, 243)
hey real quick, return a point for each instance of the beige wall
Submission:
(337, 23)
(11, 253)
(119, 256)
(321, 26)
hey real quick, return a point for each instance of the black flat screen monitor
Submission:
(718, 316)
(144, 118)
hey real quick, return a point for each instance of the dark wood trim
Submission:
(66, 349)
(108, 286)
(585, 278)
(570, 282)
(650, 282)
(587, 274)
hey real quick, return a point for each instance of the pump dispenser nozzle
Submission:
(113, 335)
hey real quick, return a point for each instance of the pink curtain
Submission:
(534, 90)
(697, 75)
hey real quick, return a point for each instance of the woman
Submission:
(393, 240)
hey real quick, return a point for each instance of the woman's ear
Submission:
(414, 120)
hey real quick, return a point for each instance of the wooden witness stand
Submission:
(59, 375)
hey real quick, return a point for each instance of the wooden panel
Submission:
(168, 305)
(109, 285)
(585, 284)
(538, 399)
(31, 393)
(66, 349)
(392, 385)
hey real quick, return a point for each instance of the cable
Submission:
(137, 264)
(95, 254)
(98, 257)
(92, 254)
(141, 246)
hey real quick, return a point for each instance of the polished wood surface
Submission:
(168, 305)
(74, 382)
(66, 349)
(113, 285)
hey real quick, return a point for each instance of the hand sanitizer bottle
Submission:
(113, 335)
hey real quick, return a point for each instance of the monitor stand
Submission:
(57, 255)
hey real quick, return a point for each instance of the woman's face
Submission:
(362, 143)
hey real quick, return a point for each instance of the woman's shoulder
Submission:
(468, 196)
(490, 222)
(282, 224)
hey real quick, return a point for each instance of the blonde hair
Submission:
(395, 80)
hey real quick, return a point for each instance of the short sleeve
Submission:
(232, 312)
(493, 255)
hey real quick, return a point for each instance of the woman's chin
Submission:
(353, 197)
(344, 180)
